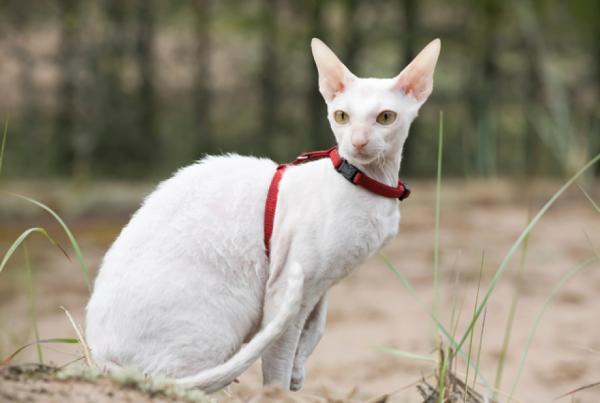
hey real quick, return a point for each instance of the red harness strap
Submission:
(346, 169)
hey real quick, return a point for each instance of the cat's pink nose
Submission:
(359, 140)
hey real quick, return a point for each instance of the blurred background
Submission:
(137, 88)
(105, 98)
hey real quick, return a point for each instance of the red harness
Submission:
(346, 169)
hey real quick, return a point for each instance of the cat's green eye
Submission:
(341, 117)
(386, 118)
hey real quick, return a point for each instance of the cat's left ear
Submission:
(417, 78)
(334, 77)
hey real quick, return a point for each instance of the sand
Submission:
(371, 308)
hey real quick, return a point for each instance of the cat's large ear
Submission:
(334, 77)
(417, 77)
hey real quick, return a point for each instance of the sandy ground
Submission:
(371, 308)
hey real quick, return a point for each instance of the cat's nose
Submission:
(359, 141)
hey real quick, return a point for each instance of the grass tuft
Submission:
(435, 320)
(83, 267)
(517, 244)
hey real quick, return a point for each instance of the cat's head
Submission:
(370, 117)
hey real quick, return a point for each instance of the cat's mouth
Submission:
(363, 156)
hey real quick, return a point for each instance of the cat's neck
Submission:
(385, 170)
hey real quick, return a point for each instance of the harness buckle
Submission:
(405, 192)
(348, 171)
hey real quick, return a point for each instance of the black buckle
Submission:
(348, 170)
(405, 192)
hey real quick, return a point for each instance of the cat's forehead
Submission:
(369, 93)
(369, 86)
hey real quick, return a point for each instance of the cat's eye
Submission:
(386, 118)
(341, 117)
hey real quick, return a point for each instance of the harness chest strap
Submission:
(347, 170)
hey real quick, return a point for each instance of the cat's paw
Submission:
(297, 381)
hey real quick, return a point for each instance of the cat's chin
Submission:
(361, 158)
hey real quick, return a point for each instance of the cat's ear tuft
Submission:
(417, 78)
(333, 75)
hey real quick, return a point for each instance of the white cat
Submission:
(187, 282)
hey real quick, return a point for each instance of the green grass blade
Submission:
(590, 199)
(33, 303)
(74, 244)
(594, 249)
(541, 312)
(511, 316)
(518, 243)
(478, 362)
(4, 135)
(443, 374)
(457, 307)
(438, 197)
(405, 354)
(21, 239)
(457, 300)
(4, 363)
(470, 351)
(579, 389)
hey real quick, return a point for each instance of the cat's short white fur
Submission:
(187, 281)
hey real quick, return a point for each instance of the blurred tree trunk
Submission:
(27, 117)
(144, 58)
(317, 112)
(353, 37)
(268, 77)
(482, 90)
(117, 146)
(541, 157)
(64, 142)
(488, 145)
(202, 77)
(534, 146)
(408, 39)
(586, 16)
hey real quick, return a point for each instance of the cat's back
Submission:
(195, 242)
(208, 211)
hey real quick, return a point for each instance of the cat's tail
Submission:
(216, 378)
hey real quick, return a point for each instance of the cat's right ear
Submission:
(334, 77)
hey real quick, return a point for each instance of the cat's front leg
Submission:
(311, 335)
(278, 359)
